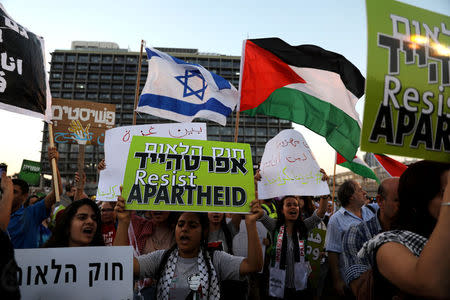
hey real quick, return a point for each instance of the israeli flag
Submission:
(181, 91)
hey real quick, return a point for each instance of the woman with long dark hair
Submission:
(412, 261)
(288, 257)
(188, 270)
(79, 225)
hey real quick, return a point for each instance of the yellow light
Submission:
(419, 39)
(441, 49)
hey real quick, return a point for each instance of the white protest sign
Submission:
(76, 273)
(288, 167)
(117, 144)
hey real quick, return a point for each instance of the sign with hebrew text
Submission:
(407, 106)
(30, 172)
(81, 122)
(117, 145)
(188, 175)
(75, 273)
(288, 167)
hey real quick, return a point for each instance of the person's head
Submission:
(306, 205)
(70, 191)
(191, 233)
(31, 200)
(289, 212)
(107, 212)
(21, 190)
(387, 198)
(79, 225)
(420, 193)
(351, 193)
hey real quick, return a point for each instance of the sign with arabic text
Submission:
(288, 167)
(314, 250)
(81, 122)
(75, 273)
(188, 175)
(407, 106)
(117, 145)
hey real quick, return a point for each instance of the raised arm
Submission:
(6, 201)
(254, 261)
(429, 274)
(121, 238)
(50, 199)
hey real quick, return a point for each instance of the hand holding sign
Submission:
(122, 214)
(256, 212)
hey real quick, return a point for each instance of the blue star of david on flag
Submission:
(188, 90)
(177, 100)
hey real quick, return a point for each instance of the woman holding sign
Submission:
(289, 269)
(187, 270)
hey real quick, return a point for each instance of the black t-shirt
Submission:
(9, 286)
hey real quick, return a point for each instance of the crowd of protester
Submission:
(396, 248)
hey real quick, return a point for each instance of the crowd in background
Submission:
(395, 248)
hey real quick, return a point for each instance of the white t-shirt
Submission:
(226, 266)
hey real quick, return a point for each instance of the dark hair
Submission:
(299, 225)
(309, 207)
(227, 233)
(61, 232)
(418, 185)
(204, 222)
(346, 191)
(24, 187)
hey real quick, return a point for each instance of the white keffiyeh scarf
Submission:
(202, 291)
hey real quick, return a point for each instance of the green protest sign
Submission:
(188, 175)
(407, 106)
(315, 245)
(30, 172)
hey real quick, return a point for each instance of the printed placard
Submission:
(407, 106)
(288, 167)
(76, 273)
(315, 246)
(30, 172)
(188, 175)
(81, 122)
(117, 145)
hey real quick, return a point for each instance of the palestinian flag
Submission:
(357, 166)
(393, 167)
(306, 85)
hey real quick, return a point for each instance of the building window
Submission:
(58, 57)
(128, 106)
(130, 77)
(131, 59)
(69, 76)
(117, 77)
(118, 68)
(261, 131)
(226, 131)
(93, 86)
(71, 58)
(57, 66)
(131, 69)
(92, 96)
(107, 58)
(56, 94)
(106, 67)
(105, 86)
(55, 85)
(94, 67)
(80, 96)
(67, 95)
(118, 59)
(93, 76)
(70, 67)
(82, 67)
(273, 131)
(128, 97)
(116, 96)
(81, 75)
(68, 85)
(104, 96)
(95, 58)
(83, 58)
(129, 87)
(56, 75)
(106, 76)
(213, 130)
(116, 86)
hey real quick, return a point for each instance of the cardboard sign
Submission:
(188, 175)
(407, 107)
(76, 273)
(315, 245)
(81, 122)
(30, 172)
(288, 167)
(117, 145)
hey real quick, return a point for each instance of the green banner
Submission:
(30, 172)
(188, 175)
(315, 246)
(407, 106)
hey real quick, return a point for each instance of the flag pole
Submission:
(138, 83)
(334, 181)
(53, 163)
(236, 127)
